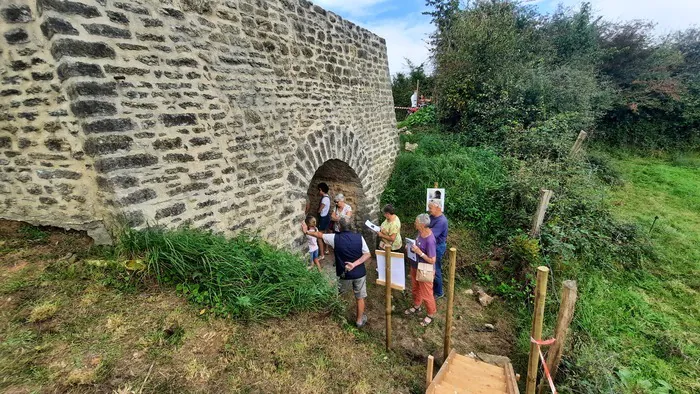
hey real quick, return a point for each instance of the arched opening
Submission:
(341, 178)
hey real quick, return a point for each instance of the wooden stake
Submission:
(387, 270)
(435, 185)
(538, 219)
(450, 302)
(536, 333)
(578, 144)
(569, 294)
(429, 373)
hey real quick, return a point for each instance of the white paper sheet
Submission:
(410, 253)
(435, 194)
(373, 226)
(398, 270)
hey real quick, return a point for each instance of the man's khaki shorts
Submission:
(359, 287)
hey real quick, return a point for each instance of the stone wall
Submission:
(210, 113)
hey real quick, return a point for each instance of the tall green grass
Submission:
(242, 277)
(474, 180)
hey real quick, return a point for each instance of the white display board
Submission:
(398, 270)
(435, 194)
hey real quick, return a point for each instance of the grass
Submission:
(242, 277)
(663, 341)
(640, 329)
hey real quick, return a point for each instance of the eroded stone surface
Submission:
(220, 116)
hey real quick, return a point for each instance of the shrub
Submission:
(424, 116)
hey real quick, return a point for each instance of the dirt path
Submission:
(468, 334)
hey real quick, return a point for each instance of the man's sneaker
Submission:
(437, 297)
(362, 322)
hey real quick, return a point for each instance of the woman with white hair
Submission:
(425, 249)
(342, 210)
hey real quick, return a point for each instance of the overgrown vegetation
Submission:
(615, 79)
(515, 88)
(242, 277)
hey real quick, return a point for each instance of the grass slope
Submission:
(663, 342)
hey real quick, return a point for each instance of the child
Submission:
(313, 242)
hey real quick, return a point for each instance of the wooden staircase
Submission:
(466, 375)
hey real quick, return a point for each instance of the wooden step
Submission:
(472, 361)
(474, 369)
(476, 384)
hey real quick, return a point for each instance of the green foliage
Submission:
(423, 117)
(473, 178)
(243, 277)
(616, 77)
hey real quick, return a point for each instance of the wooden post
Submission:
(569, 294)
(450, 302)
(536, 333)
(435, 185)
(538, 219)
(578, 144)
(429, 373)
(387, 270)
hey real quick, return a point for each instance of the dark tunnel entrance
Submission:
(341, 178)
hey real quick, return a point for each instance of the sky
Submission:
(406, 29)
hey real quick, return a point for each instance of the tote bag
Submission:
(425, 273)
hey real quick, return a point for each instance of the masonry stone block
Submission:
(174, 120)
(79, 69)
(107, 144)
(131, 47)
(91, 88)
(52, 26)
(89, 108)
(178, 158)
(15, 13)
(118, 17)
(167, 143)
(69, 7)
(173, 210)
(75, 48)
(109, 125)
(58, 174)
(100, 29)
(131, 7)
(16, 36)
(42, 76)
(106, 165)
(138, 197)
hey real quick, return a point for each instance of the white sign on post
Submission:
(435, 194)
(398, 270)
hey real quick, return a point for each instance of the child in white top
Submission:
(313, 242)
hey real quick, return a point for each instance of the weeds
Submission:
(242, 277)
(43, 312)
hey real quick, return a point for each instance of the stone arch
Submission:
(341, 178)
(321, 154)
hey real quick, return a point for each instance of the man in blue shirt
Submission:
(351, 252)
(438, 223)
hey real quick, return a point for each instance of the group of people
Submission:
(351, 251)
